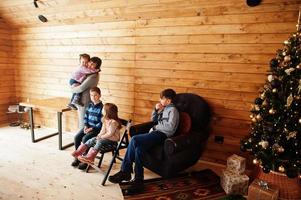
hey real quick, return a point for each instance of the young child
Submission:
(79, 76)
(109, 135)
(92, 122)
(166, 117)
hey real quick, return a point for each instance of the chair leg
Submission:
(109, 170)
(113, 156)
(88, 168)
(100, 160)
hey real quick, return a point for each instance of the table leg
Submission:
(31, 124)
(60, 131)
(32, 129)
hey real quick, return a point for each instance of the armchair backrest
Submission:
(197, 108)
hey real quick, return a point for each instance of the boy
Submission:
(79, 76)
(92, 122)
(166, 117)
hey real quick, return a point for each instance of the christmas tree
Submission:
(275, 135)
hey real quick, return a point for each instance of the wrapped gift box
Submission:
(261, 190)
(236, 164)
(234, 183)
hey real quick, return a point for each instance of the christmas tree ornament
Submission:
(289, 100)
(264, 144)
(258, 101)
(289, 71)
(287, 58)
(274, 63)
(266, 169)
(252, 116)
(275, 90)
(280, 149)
(272, 111)
(256, 108)
(298, 66)
(284, 53)
(281, 169)
(292, 134)
(275, 83)
(270, 78)
(258, 117)
(254, 120)
(299, 120)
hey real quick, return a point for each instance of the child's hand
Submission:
(74, 85)
(87, 130)
(159, 107)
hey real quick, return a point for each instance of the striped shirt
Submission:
(93, 116)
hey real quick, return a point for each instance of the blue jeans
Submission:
(97, 144)
(139, 144)
(82, 137)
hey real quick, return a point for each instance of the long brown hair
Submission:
(111, 112)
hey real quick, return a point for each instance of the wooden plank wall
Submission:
(7, 90)
(217, 49)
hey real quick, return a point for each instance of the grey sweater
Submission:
(167, 120)
(84, 88)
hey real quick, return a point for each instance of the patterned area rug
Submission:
(202, 185)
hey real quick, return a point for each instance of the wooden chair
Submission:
(122, 144)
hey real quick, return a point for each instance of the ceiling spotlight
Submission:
(42, 18)
(252, 3)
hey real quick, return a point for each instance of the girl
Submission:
(109, 135)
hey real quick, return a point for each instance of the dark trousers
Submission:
(139, 144)
(82, 137)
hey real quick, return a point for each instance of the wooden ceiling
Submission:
(23, 13)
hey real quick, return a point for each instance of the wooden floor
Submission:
(40, 171)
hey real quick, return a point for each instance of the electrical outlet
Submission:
(219, 139)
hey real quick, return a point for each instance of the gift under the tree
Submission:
(236, 164)
(261, 190)
(234, 183)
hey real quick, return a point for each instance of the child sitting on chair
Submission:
(79, 76)
(109, 135)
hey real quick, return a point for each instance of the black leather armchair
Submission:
(182, 150)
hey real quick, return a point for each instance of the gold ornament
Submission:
(289, 71)
(284, 53)
(287, 58)
(252, 116)
(257, 108)
(280, 149)
(264, 144)
(291, 135)
(272, 111)
(289, 100)
(274, 90)
(262, 96)
(258, 117)
(281, 169)
(254, 120)
(286, 42)
(264, 103)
